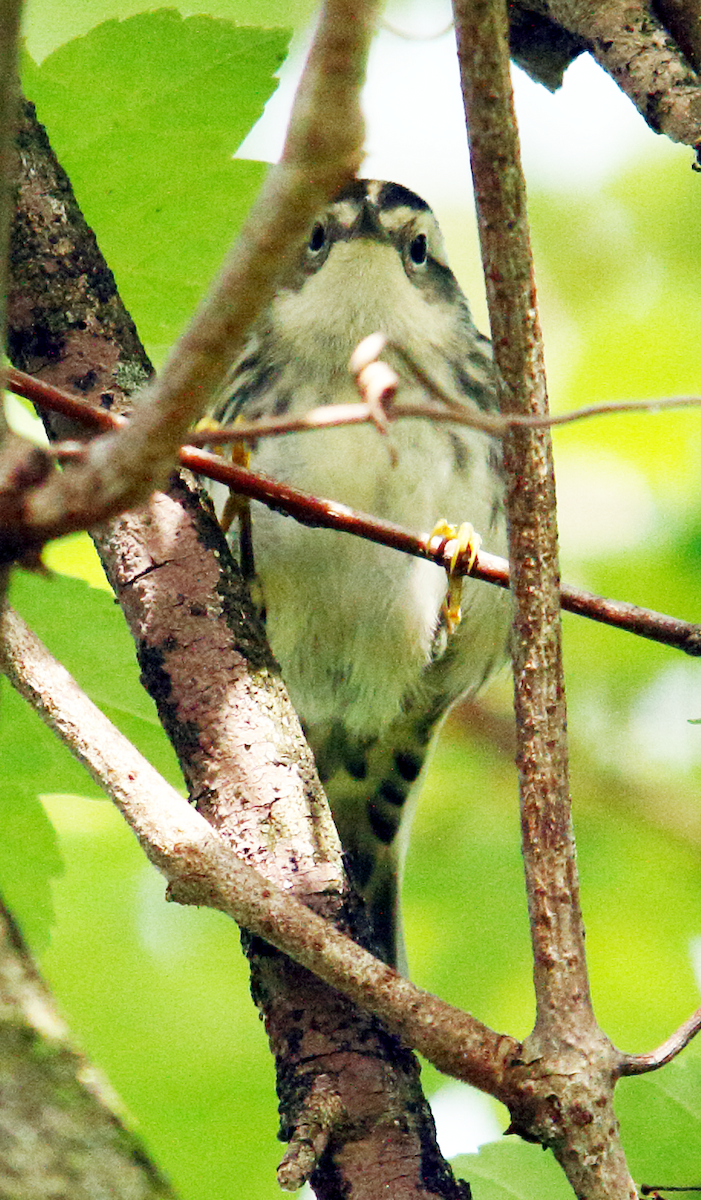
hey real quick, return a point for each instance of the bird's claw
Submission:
(458, 541)
(235, 507)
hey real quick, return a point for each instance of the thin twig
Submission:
(331, 416)
(629, 618)
(646, 1189)
(202, 869)
(337, 415)
(640, 1064)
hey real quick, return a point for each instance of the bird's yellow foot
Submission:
(459, 540)
(236, 507)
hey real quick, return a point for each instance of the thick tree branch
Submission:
(239, 744)
(62, 1131)
(683, 20)
(16, 459)
(201, 869)
(323, 149)
(566, 1042)
(10, 16)
(634, 41)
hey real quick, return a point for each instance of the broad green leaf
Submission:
(660, 1117)
(85, 630)
(30, 858)
(144, 115)
(512, 1170)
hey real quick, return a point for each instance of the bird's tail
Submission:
(372, 787)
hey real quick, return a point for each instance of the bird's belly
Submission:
(352, 624)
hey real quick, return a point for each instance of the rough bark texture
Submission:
(650, 49)
(222, 704)
(569, 1065)
(60, 1130)
(683, 20)
(80, 346)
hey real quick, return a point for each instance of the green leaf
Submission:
(51, 23)
(145, 115)
(85, 630)
(660, 1117)
(29, 855)
(513, 1170)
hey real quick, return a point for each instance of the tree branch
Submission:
(202, 869)
(640, 1064)
(566, 1043)
(683, 20)
(632, 44)
(323, 149)
(16, 459)
(10, 16)
(312, 510)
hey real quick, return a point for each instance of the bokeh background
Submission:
(145, 113)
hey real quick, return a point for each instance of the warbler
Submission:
(359, 630)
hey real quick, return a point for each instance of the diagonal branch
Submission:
(201, 869)
(640, 1064)
(321, 513)
(629, 40)
(324, 148)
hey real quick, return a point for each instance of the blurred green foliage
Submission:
(158, 995)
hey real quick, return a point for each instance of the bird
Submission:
(368, 654)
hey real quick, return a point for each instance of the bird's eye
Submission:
(317, 238)
(418, 250)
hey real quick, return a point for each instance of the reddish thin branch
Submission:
(312, 510)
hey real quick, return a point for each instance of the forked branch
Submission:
(566, 1052)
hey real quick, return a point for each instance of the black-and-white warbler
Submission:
(357, 628)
